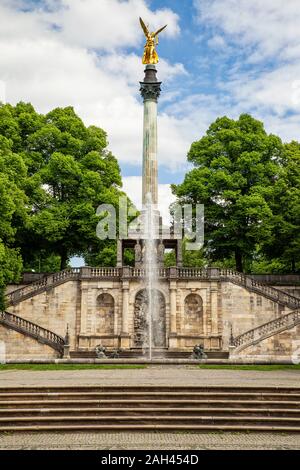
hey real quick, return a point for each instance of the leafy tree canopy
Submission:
(236, 165)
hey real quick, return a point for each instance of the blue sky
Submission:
(218, 57)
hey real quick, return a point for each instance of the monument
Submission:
(149, 309)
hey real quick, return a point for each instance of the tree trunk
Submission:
(293, 265)
(238, 261)
(63, 260)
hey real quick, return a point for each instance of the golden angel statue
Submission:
(150, 54)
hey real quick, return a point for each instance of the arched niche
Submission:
(141, 319)
(105, 314)
(193, 314)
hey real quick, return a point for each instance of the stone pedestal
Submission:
(124, 341)
(66, 354)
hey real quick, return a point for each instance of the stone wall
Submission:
(53, 309)
(284, 344)
(243, 310)
(203, 311)
(20, 347)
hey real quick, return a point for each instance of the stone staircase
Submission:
(266, 330)
(138, 354)
(75, 274)
(42, 335)
(150, 408)
(276, 295)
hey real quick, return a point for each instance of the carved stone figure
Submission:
(198, 352)
(138, 254)
(193, 314)
(100, 351)
(161, 254)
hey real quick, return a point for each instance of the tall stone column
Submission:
(150, 91)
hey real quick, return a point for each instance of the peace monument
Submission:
(149, 309)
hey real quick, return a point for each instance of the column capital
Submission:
(150, 87)
(150, 91)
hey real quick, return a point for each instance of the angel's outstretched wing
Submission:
(160, 30)
(144, 27)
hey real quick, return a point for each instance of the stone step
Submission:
(133, 396)
(148, 408)
(150, 428)
(151, 420)
(172, 404)
(150, 388)
(133, 354)
(146, 412)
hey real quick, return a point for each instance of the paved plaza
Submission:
(152, 375)
(149, 441)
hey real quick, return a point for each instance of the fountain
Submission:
(150, 269)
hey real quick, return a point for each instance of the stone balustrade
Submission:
(32, 329)
(211, 273)
(261, 332)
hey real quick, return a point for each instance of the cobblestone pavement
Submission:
(155, 375)
(149, 441)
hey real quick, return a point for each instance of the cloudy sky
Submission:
(218, 57)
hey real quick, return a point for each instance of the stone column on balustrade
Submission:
(119, 253)
(83, 344)
(173, 308)
(125, 337)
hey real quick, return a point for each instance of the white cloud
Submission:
(107, 24)
(266, 35)
(268, 27)
(51, 67)
(132, 186)
(217, 42)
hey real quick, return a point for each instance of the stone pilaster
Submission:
(214, 308)
(173, 309)
(125, 337)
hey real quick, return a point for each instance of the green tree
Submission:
(284, 244)
(69, 172)
(235, 167)
(13, 204)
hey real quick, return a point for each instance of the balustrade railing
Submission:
(32, 329)
(258, 333)
(180, 273)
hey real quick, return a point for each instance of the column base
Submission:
(66, 354)
(124, 340)
(173, 341)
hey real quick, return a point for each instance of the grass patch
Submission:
(260, 367)
(69, 366)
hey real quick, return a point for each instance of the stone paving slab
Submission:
(153, 375)
(149, 441)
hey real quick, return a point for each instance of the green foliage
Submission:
(236, 165)
(190, 258)
(54, 173)
(284, 244)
